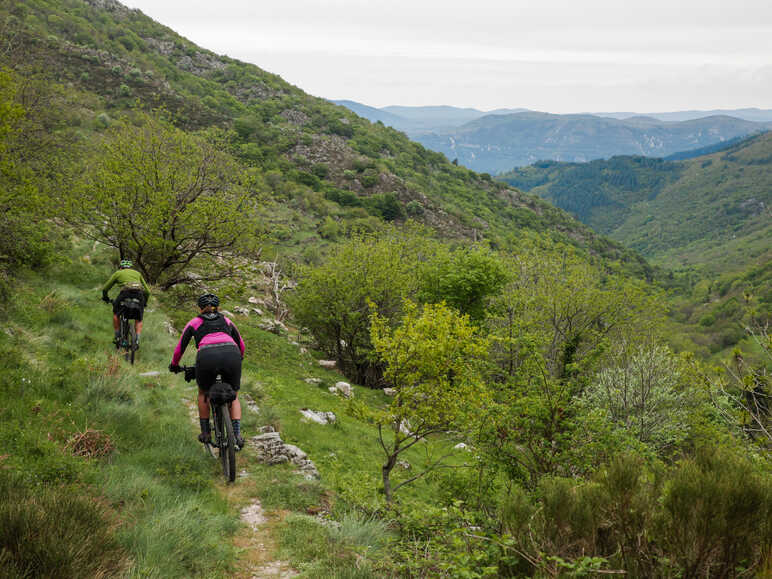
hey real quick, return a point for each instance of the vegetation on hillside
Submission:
(539, 425)
(706, 218)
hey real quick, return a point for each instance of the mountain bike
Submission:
(127, 339)
(219, 397)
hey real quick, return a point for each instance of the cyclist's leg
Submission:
(230, 365)
(206, 373)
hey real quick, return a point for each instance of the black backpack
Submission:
(212, 324)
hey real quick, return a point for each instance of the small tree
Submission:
(166, 199)
(433, 362)
(332, 299)
(643, 392)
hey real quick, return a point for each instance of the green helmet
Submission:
(125, 263)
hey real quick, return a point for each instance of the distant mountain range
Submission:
(497, 141)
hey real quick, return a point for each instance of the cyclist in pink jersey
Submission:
(220, 351)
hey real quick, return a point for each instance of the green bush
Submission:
(55, 532)
(717, 515)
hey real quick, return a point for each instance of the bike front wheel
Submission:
(226, 442)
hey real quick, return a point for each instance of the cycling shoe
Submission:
(205, 438)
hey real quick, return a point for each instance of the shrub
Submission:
(716, 515)
(53, 532)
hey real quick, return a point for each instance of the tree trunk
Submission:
(386, 472)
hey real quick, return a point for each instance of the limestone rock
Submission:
(329, 364)
(345, 389)
(270, 449)
(318, 416)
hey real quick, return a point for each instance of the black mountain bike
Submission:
(127, 339)
(220, 396)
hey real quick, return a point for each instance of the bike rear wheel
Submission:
(132, 340)
(226, 442)
(124, 338)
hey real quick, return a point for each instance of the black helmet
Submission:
(208, 300)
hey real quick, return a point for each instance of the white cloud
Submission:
(551, 55)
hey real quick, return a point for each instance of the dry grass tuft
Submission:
(89, 443)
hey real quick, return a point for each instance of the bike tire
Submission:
(227, 443)
(132, 342)
(125, 336)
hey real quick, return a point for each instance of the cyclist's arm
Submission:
(236, 336)
(145, 288)
(187, 334)
(110, 283)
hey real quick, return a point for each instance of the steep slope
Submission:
(665, 208)
(496, 143)
(708, 217)
(321, 162)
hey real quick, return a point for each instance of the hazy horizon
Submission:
(558, 56)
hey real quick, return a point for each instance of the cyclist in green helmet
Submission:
(132, 286)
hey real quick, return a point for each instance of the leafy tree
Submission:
(463, 278)
(167, 199)
(332, 299)
(643, 392)
(31, 137)
(550, 328)
(433, 361)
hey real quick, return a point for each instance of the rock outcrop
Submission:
(271, 449)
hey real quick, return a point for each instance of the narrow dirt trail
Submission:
(255, 541)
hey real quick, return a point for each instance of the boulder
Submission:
(390, 391)
(345, 389)
(318, 416)
(462, 446)
(329, 364)
(241, 310)
(314, 381)
(270, 449)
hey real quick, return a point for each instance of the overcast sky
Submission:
(551, 55)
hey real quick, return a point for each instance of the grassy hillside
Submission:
(707, 218)
(499, 322)
(668, 210)
(331, 171)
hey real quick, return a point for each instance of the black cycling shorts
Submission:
(130, 293)
(224, 360)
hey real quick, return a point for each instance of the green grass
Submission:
(156, 500)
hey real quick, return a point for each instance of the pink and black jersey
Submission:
(208, 330)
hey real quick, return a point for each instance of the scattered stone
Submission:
(318, 416)
(241, 310)
(226, 313)
(256, 301)
(333, 390)
(390, 391)
(314, 381)
(169, 328)
(267, 428)
(250, 402)
(329, 364)
(258, 311)
(345, 389)
(273, 326)
(253, 515)
(462, 446)
(149, 374)
(303, 350)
